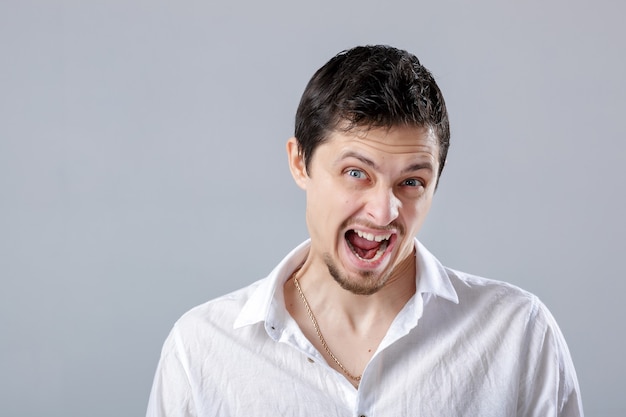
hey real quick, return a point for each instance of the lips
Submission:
(367, 246)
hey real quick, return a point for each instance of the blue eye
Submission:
(412, 182)
(356, 173)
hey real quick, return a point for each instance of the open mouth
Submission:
(367, 246)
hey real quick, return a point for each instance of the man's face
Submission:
(368, 193)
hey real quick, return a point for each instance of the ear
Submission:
(296, 163)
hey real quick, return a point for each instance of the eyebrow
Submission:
(352, 154)
(418, 166)
(411, 168)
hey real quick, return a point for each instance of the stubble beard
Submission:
(371, 285)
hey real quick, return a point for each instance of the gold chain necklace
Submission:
(319, 333)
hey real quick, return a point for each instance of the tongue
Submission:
(366, 249)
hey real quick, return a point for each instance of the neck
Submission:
(352, 326)
(359, 312)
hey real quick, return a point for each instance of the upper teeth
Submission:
(370, 236)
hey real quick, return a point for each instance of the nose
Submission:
(383, 206)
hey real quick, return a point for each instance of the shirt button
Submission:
(312, 361)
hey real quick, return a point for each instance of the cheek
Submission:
(414, 214)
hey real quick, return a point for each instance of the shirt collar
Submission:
(266, 303)
(267, 299)
(432, 277)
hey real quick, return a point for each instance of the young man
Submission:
(361, 320)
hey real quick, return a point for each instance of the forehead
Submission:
(402, 140)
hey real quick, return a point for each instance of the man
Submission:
(361, 320)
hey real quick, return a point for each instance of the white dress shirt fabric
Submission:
(461, 346)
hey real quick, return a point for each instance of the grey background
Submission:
(142, 171)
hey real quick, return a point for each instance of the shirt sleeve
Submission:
(172, 394)
(550, 386)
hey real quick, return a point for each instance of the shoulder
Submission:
(492, 299)
(493, 310)
(515, 329)
(469, 286)
(217, 314)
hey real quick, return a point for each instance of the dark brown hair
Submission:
(372, 87)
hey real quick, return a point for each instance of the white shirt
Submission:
(461, 346)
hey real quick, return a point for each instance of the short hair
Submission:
(372, 87)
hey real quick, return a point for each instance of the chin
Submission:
(369, 282)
